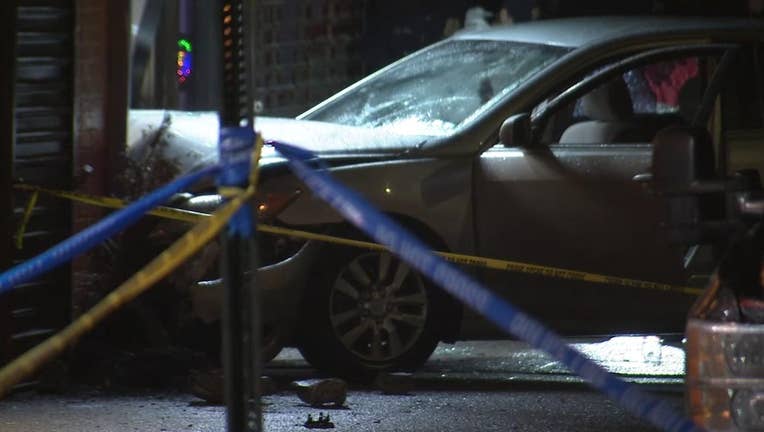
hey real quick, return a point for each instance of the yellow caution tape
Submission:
(115, 203)
(141, 281)
(25, 219)
(489, 263)
(206, 228)
(495, 264)
(560, 273)
(254, 175)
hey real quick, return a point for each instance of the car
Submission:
(527, 142)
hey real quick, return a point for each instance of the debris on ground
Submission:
(321, 423)
(320, 392)
(208, 385)
(395, 383)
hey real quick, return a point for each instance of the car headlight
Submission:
(273, 248)
(271, 204)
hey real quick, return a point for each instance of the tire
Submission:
(367, 313)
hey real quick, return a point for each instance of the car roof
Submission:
(579, 32)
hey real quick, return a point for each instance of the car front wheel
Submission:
(367, 312)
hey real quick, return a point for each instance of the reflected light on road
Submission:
(636, 355)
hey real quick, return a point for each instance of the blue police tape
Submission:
(235, 146)
(460, 285)
(103, 229)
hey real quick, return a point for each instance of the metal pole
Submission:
(241, 315)
(241, 338)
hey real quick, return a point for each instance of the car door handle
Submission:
(643, 178)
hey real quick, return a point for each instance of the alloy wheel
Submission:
(378, 307)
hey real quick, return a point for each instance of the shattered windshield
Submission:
(432, 92)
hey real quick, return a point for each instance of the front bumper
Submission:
(282, 285)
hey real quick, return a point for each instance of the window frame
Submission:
(591, 79)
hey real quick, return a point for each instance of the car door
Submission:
(571, 200)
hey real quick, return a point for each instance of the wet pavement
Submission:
(484, 385)
(645, 360)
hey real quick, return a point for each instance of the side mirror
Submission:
(684, 172)
(682, 156)
(516, 131)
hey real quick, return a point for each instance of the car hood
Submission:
(330, 138)
(189, 139)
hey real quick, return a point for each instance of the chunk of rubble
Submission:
(322, 392)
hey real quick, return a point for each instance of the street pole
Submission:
(241, 314)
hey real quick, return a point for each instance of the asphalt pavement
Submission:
(486, 386)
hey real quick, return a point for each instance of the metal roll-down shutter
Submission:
(42, 155)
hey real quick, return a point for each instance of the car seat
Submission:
(610, 117)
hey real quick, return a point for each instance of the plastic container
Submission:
(725, 375)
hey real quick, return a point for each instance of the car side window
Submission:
(631, 107)
(670, 87)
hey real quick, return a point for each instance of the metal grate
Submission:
(42, 156)
(306, 50)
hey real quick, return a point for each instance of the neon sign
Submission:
(184, 60)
